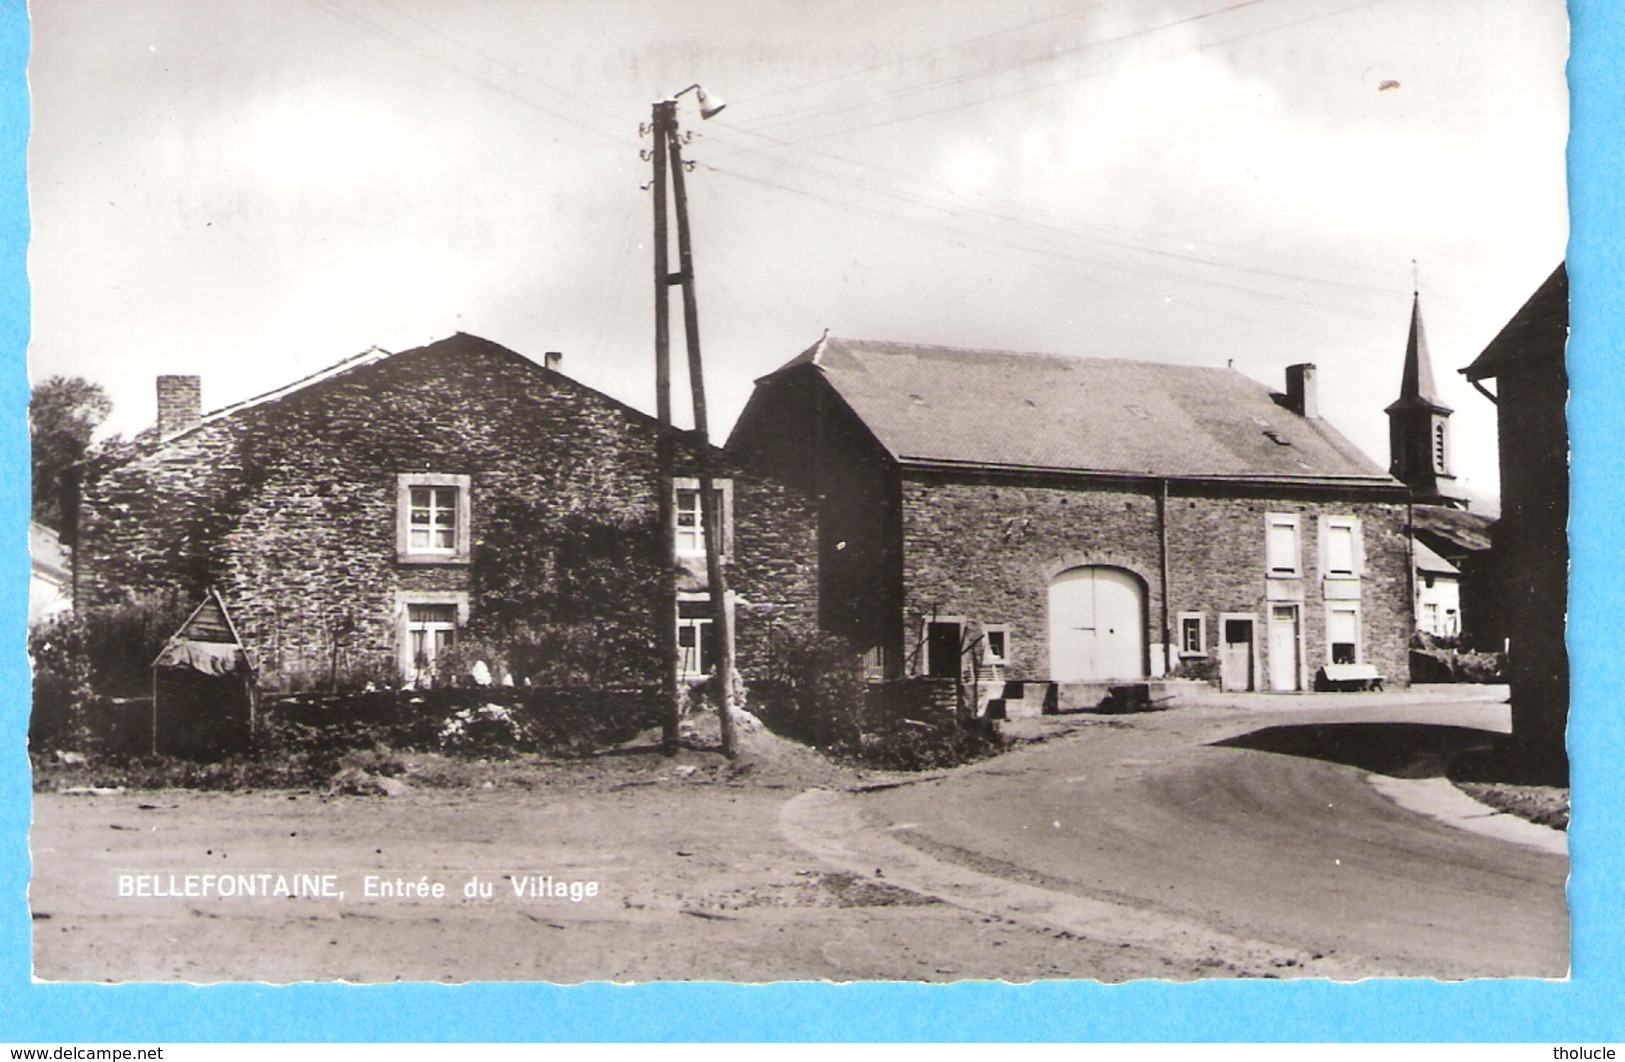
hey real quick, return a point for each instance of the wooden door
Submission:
(1097, 625)
(1284, 648)
(1236, 655)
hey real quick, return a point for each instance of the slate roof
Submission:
(459, 345)
(1429, 561)
(1416, 387)
(1540, 328)
(49, 556)
(1467, 531)
(996, 408)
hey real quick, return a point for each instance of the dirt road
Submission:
(1160, 856)
(1183, 819)
(695, 881)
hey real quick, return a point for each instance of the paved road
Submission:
(1273, 861)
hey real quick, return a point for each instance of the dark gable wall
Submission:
(290, 507)
(796, 431)
(774, 572)
(985, 547)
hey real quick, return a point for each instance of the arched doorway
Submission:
(1096, 624)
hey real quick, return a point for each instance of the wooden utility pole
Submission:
(668, 150)
(710, 503)
(664, 126)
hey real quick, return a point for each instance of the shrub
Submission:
(1456, 665)
(815, 691)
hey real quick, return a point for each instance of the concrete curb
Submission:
(1438, 799)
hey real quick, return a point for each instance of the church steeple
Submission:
(1419, 424)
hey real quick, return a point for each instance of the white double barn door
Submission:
(1096, 625)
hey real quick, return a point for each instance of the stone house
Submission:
(359, 522)
(1029, 517)
(1526, 361)
(1438, 593)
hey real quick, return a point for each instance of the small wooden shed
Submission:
(204, 687)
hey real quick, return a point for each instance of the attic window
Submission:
(918, 400)
(1138, 411)
(1275, 437)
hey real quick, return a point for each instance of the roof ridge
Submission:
(871, 344)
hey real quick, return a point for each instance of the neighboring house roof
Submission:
(1429, 561)
(1467, 531)
(1539, 329)
(49, 558)
(459, 345)
(929, 404)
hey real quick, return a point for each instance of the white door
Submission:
(1284, 647)
(1096, 625)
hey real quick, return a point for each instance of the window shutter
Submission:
(1359, 548)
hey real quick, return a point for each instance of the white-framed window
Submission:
(432, 518)
(696, 635)
(1192, 634)
(692, 516)
(1343, 633)
(429, 624)
(696, 642)
(995, 644)
(1340, 546)
(1430, 617)
(1282, 552)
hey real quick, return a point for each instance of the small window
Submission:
(996, 645)
(1343, 635)
(696, 641)
(1192, 634)
(1342, 546)
(692, 517)
(430, 622)
(1281, 544)
(433, 523)
(432, 629)
(432, 519)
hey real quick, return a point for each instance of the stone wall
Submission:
(290, 508)
(986, 547)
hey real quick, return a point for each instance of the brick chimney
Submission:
(180, 404)
(1302, 397)
(553, 359)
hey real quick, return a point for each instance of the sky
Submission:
(251, 190)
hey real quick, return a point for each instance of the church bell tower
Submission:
(1419, 426)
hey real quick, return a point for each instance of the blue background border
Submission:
(1591, 1006)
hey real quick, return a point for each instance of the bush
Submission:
(314, 741)
(812, 689)
(86, 660)
(815, 691)
(1456, 665)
